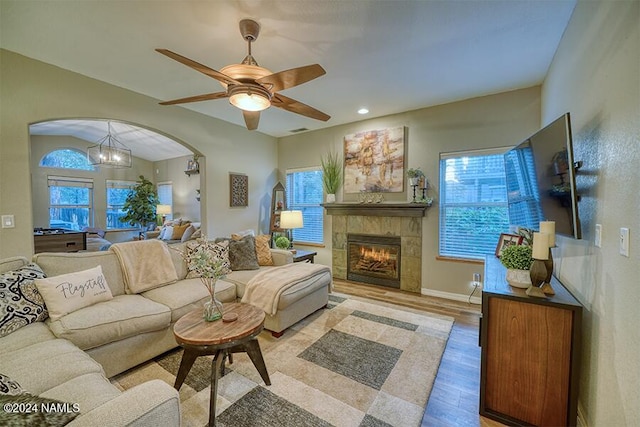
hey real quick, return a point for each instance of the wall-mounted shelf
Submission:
(190, 172)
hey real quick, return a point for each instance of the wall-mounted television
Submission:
(540, 178)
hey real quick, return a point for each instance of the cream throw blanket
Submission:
(146, 264)
(266, 287)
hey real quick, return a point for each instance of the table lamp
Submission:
(290, 220)
(163, 210)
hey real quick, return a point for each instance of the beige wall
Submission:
(491, 121)
(43, 144)
(596, 76)
(33, 91)
(185, 204)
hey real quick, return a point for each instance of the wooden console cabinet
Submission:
(67, 241)
(530, 360)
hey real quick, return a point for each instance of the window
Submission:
(165, 196)
(67, 159)
(70, 202)
(117, 192)
(304, 193)
(473, 203)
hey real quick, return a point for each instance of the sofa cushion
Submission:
(188, 233)
(9, 386)
(242, 253)
(89, 391)
(57, 263)
(36, 417)
(240, 278)
(44, 365)
(70, 292)
(186, 295)
(178, 231)
(113, 320)
(20, 302)
(263, 251)
(177, 251)
(26, 336)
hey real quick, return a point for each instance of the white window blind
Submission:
(473, 203)
(304, 193)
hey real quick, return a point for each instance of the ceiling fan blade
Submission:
(297, 107)
(251, 118)
(197, 98)
(199, 67)
(290, 78)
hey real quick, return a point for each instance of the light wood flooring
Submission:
(454, 398)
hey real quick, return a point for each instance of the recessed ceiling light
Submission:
(363, 111)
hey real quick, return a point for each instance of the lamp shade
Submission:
(291, 219)
(163, 209)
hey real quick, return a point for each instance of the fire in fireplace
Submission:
(374, 259)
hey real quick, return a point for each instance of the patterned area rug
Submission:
(356, 363)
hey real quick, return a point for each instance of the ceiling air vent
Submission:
(298, 130)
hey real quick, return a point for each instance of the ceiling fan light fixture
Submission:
(250, 98)
(109, 152)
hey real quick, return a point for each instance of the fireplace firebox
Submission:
(374, 259)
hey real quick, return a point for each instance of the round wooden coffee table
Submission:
(201, 338)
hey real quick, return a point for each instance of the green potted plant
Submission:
(140, 205)
(331, 175)
(283, 242)
(517, 259)
(414, 175)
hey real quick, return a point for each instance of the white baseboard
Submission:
(452, 296)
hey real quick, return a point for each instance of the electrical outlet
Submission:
(8, 221)
(598, 237)
(624, 242)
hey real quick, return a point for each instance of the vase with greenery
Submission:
(140, 205)
(283, 242)
(331, 175)
(517, 259)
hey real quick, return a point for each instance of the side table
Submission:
(221, 339)
(301, 256)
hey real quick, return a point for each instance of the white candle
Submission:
(549, 227)
(540, 246)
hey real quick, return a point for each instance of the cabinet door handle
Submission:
(71, 244)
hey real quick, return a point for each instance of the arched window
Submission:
(67, 158)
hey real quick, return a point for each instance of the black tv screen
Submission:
(540, 178)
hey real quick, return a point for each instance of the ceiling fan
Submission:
(250, 87)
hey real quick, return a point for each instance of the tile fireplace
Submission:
(374, 259)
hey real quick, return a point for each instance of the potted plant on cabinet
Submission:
(517, 259)
(331, 175)
(140, 205)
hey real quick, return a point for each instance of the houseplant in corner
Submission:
(140, 205)
(517, 259)
(331, 175)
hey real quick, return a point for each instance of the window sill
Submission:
(460, 260)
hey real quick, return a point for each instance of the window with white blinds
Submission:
(165, 196)
(473, 203)
(304, 193)
(70, 202)
(117, 192)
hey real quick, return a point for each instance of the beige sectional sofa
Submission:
(70, 358)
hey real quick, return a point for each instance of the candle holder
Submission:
(414, 192)
(538, 274)
(546, 286)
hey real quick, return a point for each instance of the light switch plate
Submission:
(8, 221)
(624, 242)
(598, 238)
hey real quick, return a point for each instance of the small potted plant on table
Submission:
(517, 259)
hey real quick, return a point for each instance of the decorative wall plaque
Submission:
(238, 190)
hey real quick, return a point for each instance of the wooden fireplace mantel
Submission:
(376, 209)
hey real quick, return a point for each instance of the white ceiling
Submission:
(390, 56)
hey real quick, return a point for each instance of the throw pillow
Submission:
(9, 386)
(166, 232)
(61, 413)
(188, 233)
(242, 253)
(20, 302)
(240, 234)
(263, 251)
(218, 250)
(70, 292)
(178, 231)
